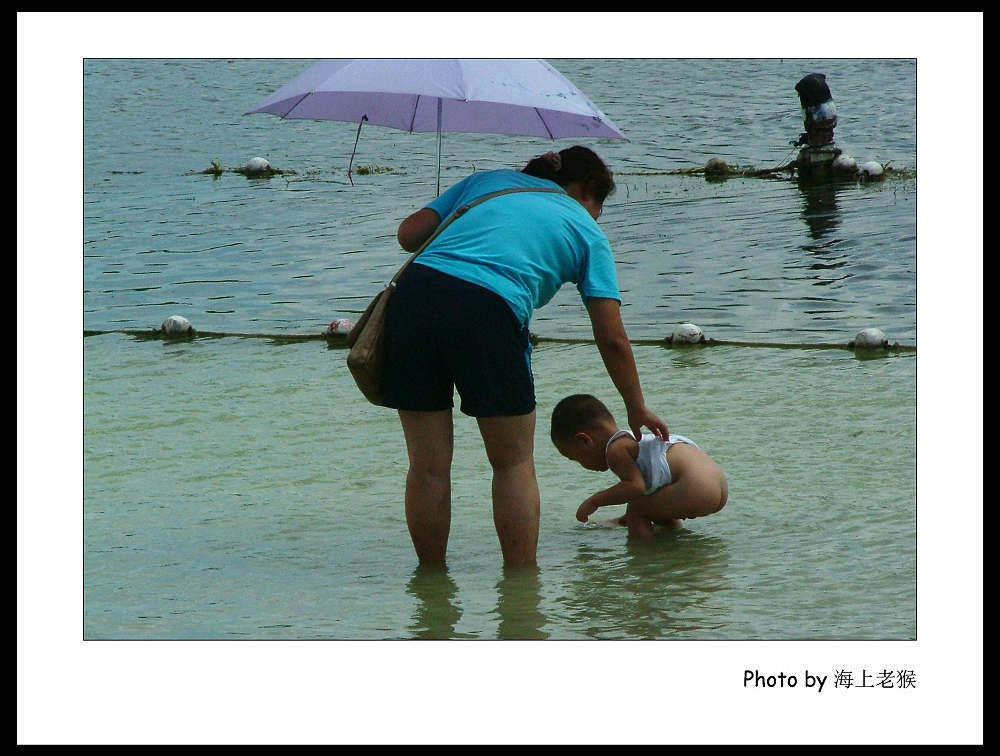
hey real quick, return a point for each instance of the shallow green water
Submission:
(235, 488)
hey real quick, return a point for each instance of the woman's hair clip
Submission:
(553, 159)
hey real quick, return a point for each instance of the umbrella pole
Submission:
(439, 148)
(356, 138)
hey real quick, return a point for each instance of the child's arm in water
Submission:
(621, 461)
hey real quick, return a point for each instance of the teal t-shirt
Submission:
(522, 246)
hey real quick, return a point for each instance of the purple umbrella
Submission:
(516, 96)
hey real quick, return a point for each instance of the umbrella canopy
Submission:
(520, 96)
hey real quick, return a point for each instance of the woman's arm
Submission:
(417, 228)
(616, 352)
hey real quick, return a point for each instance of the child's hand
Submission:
(585, 511)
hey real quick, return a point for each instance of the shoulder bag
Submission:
(366, 358)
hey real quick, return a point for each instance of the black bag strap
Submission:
(462, 210)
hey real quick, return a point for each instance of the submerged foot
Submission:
(612, 523)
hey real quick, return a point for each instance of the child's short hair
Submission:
(575, 413)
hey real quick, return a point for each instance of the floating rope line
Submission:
(721, 171)
(340, 340)
(667, 343)
(733, 171)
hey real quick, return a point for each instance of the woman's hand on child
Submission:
(640, 416)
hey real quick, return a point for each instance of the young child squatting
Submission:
(661, 482)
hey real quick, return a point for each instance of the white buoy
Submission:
(258, 165)
(176, 324)
(716, 167)
(340, 327)
(871, 170)
(845, 164)
(870, 338)
(687, 333)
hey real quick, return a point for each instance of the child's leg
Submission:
(699, 488)
(640, 526)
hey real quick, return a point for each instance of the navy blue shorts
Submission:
(442, 334)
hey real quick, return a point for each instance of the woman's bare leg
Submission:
(510, 445)
(429, 443)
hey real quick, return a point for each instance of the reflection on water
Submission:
(864, 355)
(638, 590)
(518, 597)
(654, 590)
(819, 208)
(688, 356)
(437, 611)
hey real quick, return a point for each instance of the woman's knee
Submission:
(429, 442)
(429, 479)
(509, 442)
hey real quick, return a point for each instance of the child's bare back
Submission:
(698, 488)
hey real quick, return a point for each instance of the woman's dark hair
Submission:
(574, 165)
